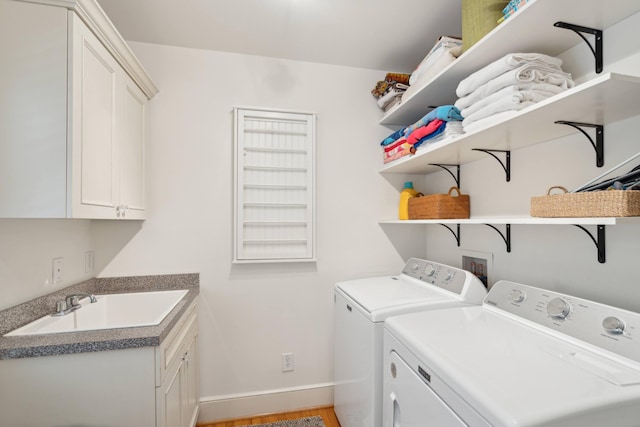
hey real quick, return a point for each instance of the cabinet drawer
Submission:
(169, 354)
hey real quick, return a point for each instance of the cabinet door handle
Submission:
(118, 208)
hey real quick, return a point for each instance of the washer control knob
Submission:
(449, 276)
(517, 295)
(558, 308)
(613, 325)
(429, 270)
(415, 266)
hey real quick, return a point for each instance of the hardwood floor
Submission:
(327, 414)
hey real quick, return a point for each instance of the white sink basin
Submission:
(109, 312)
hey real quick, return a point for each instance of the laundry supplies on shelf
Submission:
(512, 7)
(388, 92)
(441, 55)
(440, 122)
(406, 194)
(508, 85)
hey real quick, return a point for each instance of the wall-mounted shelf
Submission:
(598, 238)
(605, 99)
(521, 220)
(530, 30)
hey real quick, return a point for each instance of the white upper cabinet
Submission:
(72, 114)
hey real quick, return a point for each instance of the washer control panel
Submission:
(611, 328)
(440, 275)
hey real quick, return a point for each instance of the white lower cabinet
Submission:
(177, 396)
(72, 115)
(135, 387)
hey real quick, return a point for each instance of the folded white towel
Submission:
(390, 95)
(490, 121)
(529, 73)
(445, 47)
(498, 106)
(441, 61)
(516, 94)
(500, 66)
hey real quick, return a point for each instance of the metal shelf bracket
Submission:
(506, 237)
(599, 241)
(456, 236)
(456, 177)
(598, 145)
(597, 50)
(506, 165)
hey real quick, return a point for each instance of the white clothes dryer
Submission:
(526, 357)
(361, 307)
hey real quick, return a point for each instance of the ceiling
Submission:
(389, 35)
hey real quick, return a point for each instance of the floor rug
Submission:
(315, 421)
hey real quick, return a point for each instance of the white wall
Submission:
(27, 250)
(250, 314)
(562, 258)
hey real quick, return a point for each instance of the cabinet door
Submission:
(132, 164)
(170, 396)
(95, 85)
(191, 385)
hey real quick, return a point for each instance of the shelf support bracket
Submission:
(506, 165)
(506, 237)
(455, 235)
(599, 241)
(456, 177)
(598, 145)
(597, 50)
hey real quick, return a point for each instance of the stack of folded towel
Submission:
(388, 92)
(508, 85)
(439, 123)
(442, 54)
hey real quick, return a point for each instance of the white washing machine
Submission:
(526, 357)
(362, 306)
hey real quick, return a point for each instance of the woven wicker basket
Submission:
(610, 203)
(440, 206)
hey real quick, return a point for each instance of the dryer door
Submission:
(410, 402)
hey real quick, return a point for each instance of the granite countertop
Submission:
(100, 340)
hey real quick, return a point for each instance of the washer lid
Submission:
(516, 374)
(382, 296)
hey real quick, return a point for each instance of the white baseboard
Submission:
(216, 408)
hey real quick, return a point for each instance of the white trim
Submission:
(216, 408)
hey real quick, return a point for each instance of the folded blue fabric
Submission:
(393, 137)
(444, 112)
(431, 135)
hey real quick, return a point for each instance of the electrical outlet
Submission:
(287, 362)
(89, 260)
(57, 270)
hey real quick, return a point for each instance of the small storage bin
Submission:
(479, 17)
(440, 206)
(607, 203)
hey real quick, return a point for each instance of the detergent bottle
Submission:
(406, 193)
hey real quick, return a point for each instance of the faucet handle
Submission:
(61, 308)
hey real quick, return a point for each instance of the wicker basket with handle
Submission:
(608, 203)
(440, 206)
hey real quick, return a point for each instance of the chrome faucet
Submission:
(72, 303)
